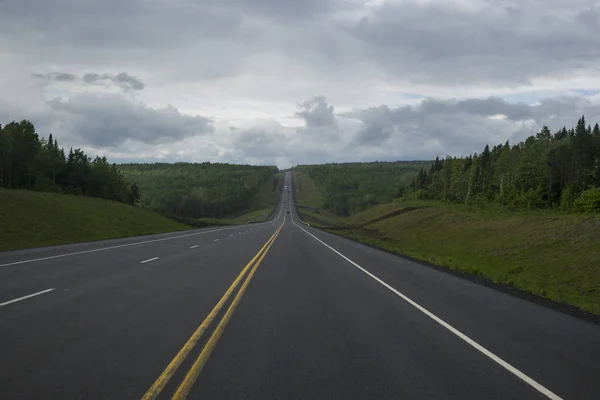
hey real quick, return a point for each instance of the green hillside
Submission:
(31, 219)
(201, 190)
(260, 206)
(309, 201)
(546, 253)
(348, 188)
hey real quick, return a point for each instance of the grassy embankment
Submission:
(309, 202)
(31, 219)
(263, 203)
(552, 255)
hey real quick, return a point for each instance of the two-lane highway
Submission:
(273, 310)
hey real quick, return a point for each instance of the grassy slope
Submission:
(309, 196)
(264, 202)
(31, 219)
(552, 255)
(368, 215)
(260, 209)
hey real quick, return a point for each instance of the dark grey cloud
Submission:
(115, 24)
(57, 77)
(93, 78)
(123, 80)
(110, 120)
(499, 43)
(461, 127)
(378, 126)
(128, 82)
(508, 42)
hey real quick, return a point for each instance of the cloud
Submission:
(316, 113)
(56, 77)
(507, 42)
(109, 120)
(319, 119)
(393, 78)
(459, 127)
(378, 126)
(123, 80)
(128, 82)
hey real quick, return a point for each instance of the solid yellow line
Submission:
(188, 382)
(166, 375)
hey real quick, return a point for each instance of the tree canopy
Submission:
(547, 170)
(30, 162)
(352, 187)
(197, 190)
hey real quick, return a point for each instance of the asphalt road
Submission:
(312, 315)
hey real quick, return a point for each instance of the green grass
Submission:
(552, 255)
(263, 204)
(368, 215)
(268, 195)
(310, 202)
(254, 216)
(31, 219)
(307, 193)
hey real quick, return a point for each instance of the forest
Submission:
(30, 162)
(348, 188)
(559, 170)
(199, 190)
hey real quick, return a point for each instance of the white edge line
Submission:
(305, 223)
(148, 260)
(530, 381)
(194, 246)
(25, 297)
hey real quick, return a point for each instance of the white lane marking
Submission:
(131, 244)
(148, 260)
(25, 297)
(530, 381)
(194, 246)
(112, 247)
(216, 240)
(230, 235)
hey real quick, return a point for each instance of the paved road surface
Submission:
(314, 316)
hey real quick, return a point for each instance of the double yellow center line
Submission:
(188, 382)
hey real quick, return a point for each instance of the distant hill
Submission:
(202, 190)
(31, 219)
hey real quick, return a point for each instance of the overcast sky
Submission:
(287, 82)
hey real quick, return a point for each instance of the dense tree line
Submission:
(548, 170)
(30, 162)
(200, 189)
(352, 187)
